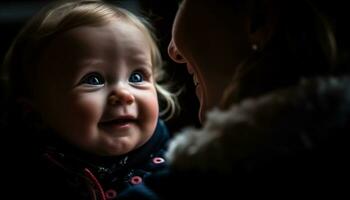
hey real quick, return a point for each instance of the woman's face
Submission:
(212, 41)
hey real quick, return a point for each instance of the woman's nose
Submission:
(174, 53)
(121, 96)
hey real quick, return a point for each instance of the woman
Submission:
(274, 118)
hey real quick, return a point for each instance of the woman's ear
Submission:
(262, 23)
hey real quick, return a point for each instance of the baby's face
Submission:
(96, 89)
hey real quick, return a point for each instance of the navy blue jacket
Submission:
(62, 172)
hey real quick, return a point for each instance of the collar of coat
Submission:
(312, 117)
(72, 159)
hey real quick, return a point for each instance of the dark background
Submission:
(161, 13)
(14, 14)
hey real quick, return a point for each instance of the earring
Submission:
(255, 47)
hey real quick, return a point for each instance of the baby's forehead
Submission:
(117, 40)
(90, 32)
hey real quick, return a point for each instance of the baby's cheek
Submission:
(149, 111)
(85, 112)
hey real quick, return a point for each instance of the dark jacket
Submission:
(62, 172)
(292, 142)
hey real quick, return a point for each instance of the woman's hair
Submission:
(302, 45)
(22, 57)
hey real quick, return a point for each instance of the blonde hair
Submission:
(20, 60)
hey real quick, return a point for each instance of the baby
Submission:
(84, 74)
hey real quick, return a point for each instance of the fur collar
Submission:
(284, 122)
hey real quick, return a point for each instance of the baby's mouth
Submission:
(120, 122)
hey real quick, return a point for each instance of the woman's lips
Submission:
(189, 69)
(192, 72)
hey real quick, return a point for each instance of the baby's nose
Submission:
(122, 96)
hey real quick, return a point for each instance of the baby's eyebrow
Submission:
(82, 64)
(89, 61)
(139, 55)
(143, 59)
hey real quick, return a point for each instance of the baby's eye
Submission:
(93, 79)
(136, 77)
